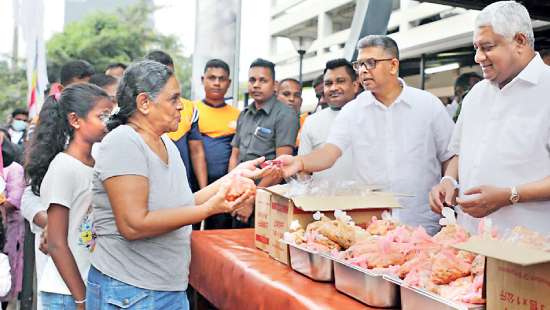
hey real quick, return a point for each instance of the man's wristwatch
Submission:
(450, 178)
(514, 195)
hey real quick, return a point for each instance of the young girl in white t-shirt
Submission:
(60, 170)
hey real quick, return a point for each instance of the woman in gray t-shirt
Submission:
(143, 206)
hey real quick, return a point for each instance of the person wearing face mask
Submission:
(397, 135)
(502, 137)
(340, 87)
(18, 125)
(17, 128)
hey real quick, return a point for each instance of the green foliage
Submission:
(13, 90)
(104, 38)
(100, 39)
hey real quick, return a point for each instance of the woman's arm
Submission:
(248, 169)
(128, 195)
(58, 249)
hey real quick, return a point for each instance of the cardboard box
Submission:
(284, 210)
(261, 219)
(517, 276)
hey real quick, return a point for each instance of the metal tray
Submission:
(364, 285)
(310, 263)
(413, 298)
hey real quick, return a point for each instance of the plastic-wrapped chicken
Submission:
(448, 266)
(382, 226)
(527, 237)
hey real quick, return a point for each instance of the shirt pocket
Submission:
(263, 142)
(518, 139)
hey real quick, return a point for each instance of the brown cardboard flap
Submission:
(505, 251)
(374, 200)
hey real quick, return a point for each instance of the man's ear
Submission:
(521, 40)
(395, 66)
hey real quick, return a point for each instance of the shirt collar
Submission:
(403, 96)
(532, 72)
(267, 106)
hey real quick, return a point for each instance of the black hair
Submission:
(318, 80)
(145, 76)
(290, 80)
(544, 53)
(103, 80)
(116, 65)
(9, 150)
(259, 62)
(463, 81)
(18, 111)
(160, 56)
(53, 131)
(217, 63)
(76, 69)
(341, 62)
(386, 43)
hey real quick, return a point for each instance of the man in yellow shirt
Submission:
(217, 122)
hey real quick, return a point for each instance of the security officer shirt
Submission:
(261, 131)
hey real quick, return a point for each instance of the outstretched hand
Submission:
(290, 165)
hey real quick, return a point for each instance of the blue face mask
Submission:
(19, 125)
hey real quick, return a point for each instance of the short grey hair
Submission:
(507, 18)
(388, 44)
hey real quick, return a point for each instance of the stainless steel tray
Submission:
(413, 298)
(364, 285)
(310, 263)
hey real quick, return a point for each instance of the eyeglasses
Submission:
(369, 63)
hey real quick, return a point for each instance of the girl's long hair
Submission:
(53, 132)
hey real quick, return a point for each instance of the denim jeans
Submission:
(53, 301)
(106, 293)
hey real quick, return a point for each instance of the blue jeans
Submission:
(53, 301)
(106, 293)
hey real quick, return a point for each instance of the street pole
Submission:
(301, 53)
(422, 73)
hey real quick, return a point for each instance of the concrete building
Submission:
(433, 33)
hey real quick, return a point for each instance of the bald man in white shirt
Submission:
(397, 135)
(502, 137)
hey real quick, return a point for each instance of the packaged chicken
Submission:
(239, 185)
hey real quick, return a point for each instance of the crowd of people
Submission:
(117, 167)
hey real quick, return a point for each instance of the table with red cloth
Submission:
(228, 270)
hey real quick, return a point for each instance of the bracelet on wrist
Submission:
(79, 302)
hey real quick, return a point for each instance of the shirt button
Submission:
(126, 302)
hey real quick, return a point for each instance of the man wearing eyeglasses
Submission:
(397, 135)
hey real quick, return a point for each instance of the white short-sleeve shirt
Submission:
(313, 135)
(400, 147)
(503, 139)
(68, 182)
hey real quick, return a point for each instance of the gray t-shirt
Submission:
(160, 263)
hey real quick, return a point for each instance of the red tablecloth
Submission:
(231, 273)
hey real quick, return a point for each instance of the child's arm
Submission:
(58, 224)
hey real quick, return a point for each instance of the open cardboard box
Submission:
(517, 276)
(283, 210)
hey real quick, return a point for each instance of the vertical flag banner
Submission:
(30, 18)
(221, 25)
